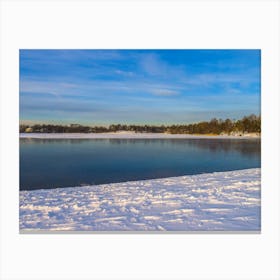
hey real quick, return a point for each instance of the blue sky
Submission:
(101, 87)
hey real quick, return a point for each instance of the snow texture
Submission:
(222, 201)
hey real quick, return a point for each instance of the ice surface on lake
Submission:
(223, 201)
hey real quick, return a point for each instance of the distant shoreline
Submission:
(132, 135)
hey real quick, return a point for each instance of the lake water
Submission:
(51, 163)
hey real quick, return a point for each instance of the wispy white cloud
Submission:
(124, 73)
(164, 92)
(152, 65)
(90, 88)
(207, 79)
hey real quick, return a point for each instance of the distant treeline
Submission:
(248, 124)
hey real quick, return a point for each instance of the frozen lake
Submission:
(51, 163)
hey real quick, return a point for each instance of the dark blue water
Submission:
(46, 163)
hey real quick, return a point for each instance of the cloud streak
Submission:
(164, 92)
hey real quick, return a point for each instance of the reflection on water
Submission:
(48, 163)
(246, 147)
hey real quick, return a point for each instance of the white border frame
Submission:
(140, 24)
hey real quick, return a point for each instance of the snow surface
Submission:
(222, 201)
(129, 135)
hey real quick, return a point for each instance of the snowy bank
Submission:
(222, 201)
(129, 135)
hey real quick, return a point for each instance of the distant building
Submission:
(28, 130)
(74, 125)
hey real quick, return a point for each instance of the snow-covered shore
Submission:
(129, 135)
(222, 201)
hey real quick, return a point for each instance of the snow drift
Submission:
(222, 201)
